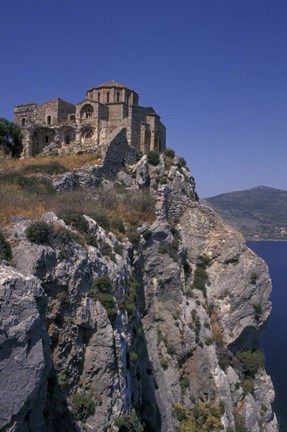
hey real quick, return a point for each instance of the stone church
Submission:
(108, 108)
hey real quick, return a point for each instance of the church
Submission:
(66, 128)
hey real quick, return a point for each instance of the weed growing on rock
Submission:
(103, 290)
(83, 406)
(38, 232)
(129, 423)
(169, 153)
(251, 362)
(5, 248)
(253, 278)
(75, 219)
(153, 158)
(203, 417)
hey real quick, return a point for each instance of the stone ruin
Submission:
(59, 127)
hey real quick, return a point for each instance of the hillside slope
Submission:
(151, 327)
(258, 213)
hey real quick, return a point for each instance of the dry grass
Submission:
(216, 331)
(69, 162)
(17, 202)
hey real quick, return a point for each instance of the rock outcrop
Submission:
(110, 334)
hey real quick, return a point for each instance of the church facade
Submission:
(90, 124)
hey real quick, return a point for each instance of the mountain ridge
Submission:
(259, 213)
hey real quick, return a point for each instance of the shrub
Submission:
(38, 232)
(169, 152)
(248, 386)
(184, 382)
(164, 364)
(83, 406)
(257, 311)
(133, 357)
(251, 362)
(147, 235)
(182, 162)
(5, 248)
(153, 158)
(103, 290)
(163, 180)
(204, 417)
(128, 302)
(75, 219)
(200, 279)
(129, 423)
(109, 304)
(103, 284)
(101, 219)
(253, 278)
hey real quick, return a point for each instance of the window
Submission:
(72, 117)
(88, 135)
(127, 98)
(47, 139)
(108, 97)
(89, 113)
(67, 139)
(118, 96)
(23, 121)
(99, 97)
(49, 120)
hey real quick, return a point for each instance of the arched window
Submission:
(88, 135)
(87, 111)
(23, 121)
(49, 120)
(118, 96)
(67, 139)
(72, 117)
(108, 97)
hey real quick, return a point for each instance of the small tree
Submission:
(10, 138)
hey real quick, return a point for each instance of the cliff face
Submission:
(162, 330)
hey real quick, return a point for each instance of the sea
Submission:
(273, 340)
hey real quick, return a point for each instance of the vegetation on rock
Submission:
(38, 232)
(5, 248)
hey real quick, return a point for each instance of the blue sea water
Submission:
(274, 338)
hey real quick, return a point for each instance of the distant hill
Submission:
(258, 213)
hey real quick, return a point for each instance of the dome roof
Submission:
(111, 84)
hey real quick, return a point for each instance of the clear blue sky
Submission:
(215, 70)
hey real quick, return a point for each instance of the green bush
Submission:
(251, 362)
(164, 364)
(253, 278)
(133, 357)
(109, 304)
(169, 152)
(103, 284)
(248, 385)
(129, 423)
(182, 162)
(147, 235)
(5, 248)
(38, 232)
(103, 290)
(129, 300)
(83, 406)
(75, 219)
(153, 158)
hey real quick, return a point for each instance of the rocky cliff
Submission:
(155, 332)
